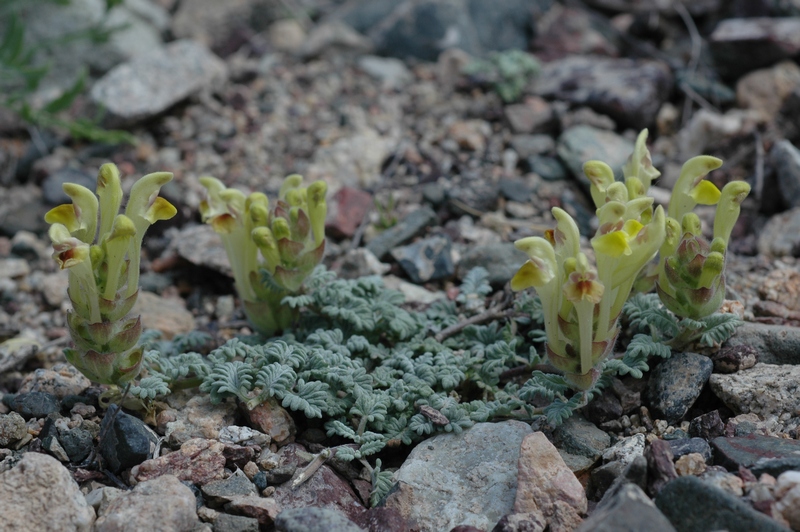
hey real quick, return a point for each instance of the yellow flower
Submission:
(583, 286)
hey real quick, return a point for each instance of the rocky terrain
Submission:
(430, 173)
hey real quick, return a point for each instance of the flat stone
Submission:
(346, 210)
(196, 418)
(691, 504)
(198, 461)
(676, 383)
(580, 144)
(40, 494)
(501, 260)
(626, 449)
(235, 523)
(626, 508)
(429, 259)
(630, 91)
(546, 486)
(165, 314)
(165, 501)
(403, 231)
(775, 344)
(785, 158)
(461, 479)
(202, 246)
(219, 492)
(59, 381)
(137, 90)
(740, 45)
(685, 446)
(761, 454)
(35, 404)
(765, 389)
(581, 438)
(314, 520)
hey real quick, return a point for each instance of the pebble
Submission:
(579, 144)
(196, 417)
(626, 508)
(660, 469)
(243, 436)
(580, 443)
(500, 259)
(629, 91)
(732, 359)
(59, 381)
(429, 259)
(128, 443)
(683, 446)
(273, 420)
(354, 160)
(359, 262)
(625, 450)
(165, 314)
(52, 191)
(691, 504)
(434, 484)
(35, 404)
(760, 454)
(676, 383)
(391, 72)
(164, 500)
(221, 492)
(313, 520)
(765, 390)
(406, 229)
(690, 464)
(40, 494)
(346, 210)
(787, 493)
(765, 91)
(14, 268)
(12, 429)
(785, 158)
(534, 116)
(135, 90)
(775, 344)
(198, 461)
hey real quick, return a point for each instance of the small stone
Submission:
(659, 465)
(740, 45)
(260, 481)
(780, 236)
(235, 523)
(549, 168)
(787, 493)
(14, 268)
(354, 160)
(734, 358)
(501, 260)
(392, 73)
(707, 426)
(77, 443)
(529, 145)
(272, 419)
(12, 429)
(429, 259)
(60, 381)
(198, 461)
(765, 390)
(196, 418)
(313, 520)
(346, 210)
(40, 494)
(263, 509)
(163, 500)
(625, 450)
(286, 35)
(470, 134)
(127, 443)
(579, 144)
(243, 436)
(281, 474)
(52, 191)
(690, 464)
(534, 115)
(35, 404)
(766, 90)
(691, 504)
(359, 262)
(782, 285)
(626, 508)
(676, 383)
(402, 232)
(251, 470)
(684, 446)
(168, 315)
(220, 492)
(728, 482)
(581, 439)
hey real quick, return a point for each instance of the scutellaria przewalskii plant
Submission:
(582, 301)
(290, 239)
(103, 266)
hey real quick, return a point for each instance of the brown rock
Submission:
(199, 461)
(782, 286)
(534, 115)
(346, 210)
(60, 381)
(196, 418)
(272, 419)
(690, 464)
(383, 519)
(546, 486)
(766, 89)
(659, 466)
(731, 359)
(168, 315)
(564, 31)
(238, 455)
(265, 509)
(470, 134)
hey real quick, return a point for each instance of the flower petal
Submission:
(530, 275)
(705, 193)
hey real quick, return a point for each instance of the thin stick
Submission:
(490, 314)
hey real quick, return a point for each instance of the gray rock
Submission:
(391, 72)
(740, 45)
(13, 268)
(211, 22)
(549, 168)
(235, 523)
(765, 389)
(313, 520)
(402, 232)
(580, 442)
(626, 508)
(77, 443)
(53, 194)
(780, 237)
(163, 500)
(760, 454)
(424, 29)
(676, 383)
(22, 209)
(775, 344)
(429, 259)
(630, 91)
(40, 494)
(35, 404)
(686, 446)
(60, 381)
(437, 486)
(625, 450)
(202, 246)
(515, 190)
(691, 504)
(152, 83)
(12, 428)
(127, 442)
(219, 492)
(579, 144)
(527, 145)
(785, 158)
(501, 260)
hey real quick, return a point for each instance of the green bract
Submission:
(290, 239)
(104, 269)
